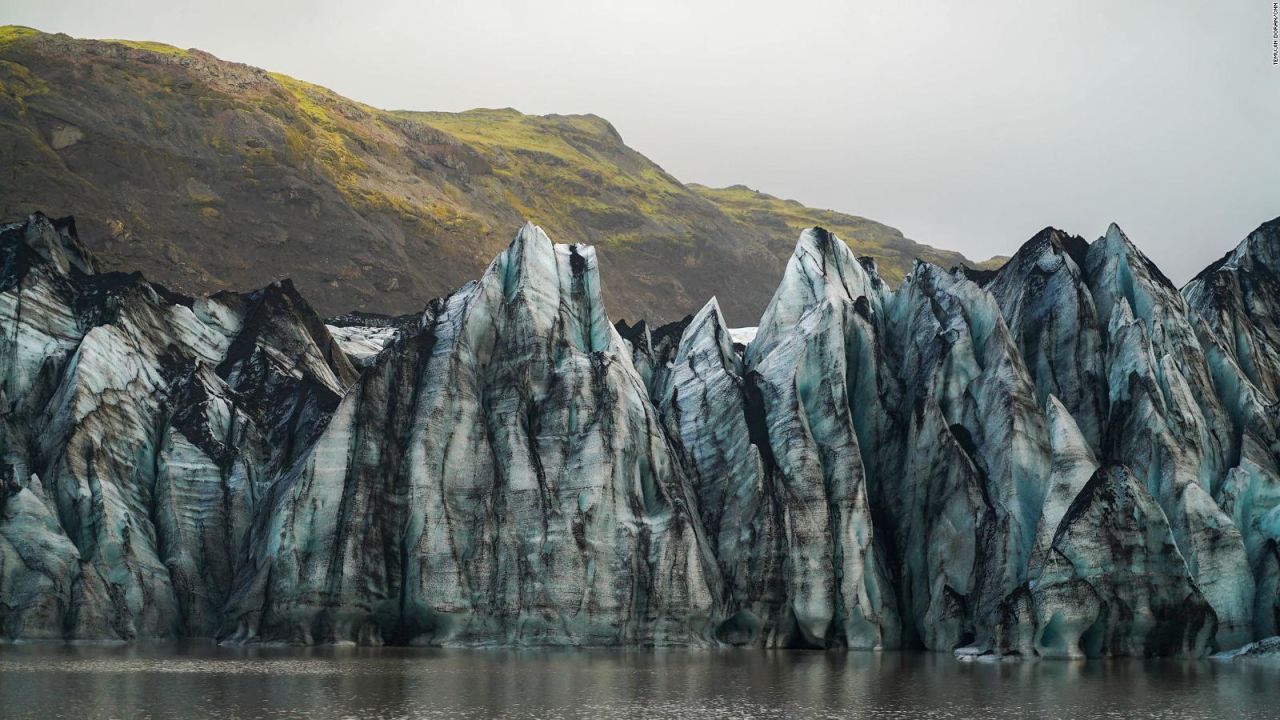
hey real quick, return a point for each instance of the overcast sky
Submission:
(968, 126)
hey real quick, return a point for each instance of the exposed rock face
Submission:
(1065, 458)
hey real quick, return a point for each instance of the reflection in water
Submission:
(191, 680)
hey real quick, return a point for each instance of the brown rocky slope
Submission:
(210, 175)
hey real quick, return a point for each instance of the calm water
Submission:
(168, 681)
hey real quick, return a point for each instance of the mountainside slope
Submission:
(893, 253)
(211, 175)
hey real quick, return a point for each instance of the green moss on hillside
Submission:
(155, 47)
(366, 208)
(10, 34)
(894, 253)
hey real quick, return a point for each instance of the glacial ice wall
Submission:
(1067, 457)
(139, 431)
(499, 478)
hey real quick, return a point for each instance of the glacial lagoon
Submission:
(202, 680)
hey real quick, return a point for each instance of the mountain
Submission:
(210, 175)
(1067, 457)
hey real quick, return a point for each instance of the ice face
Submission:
(822, 269)
(1234, 301)
(362, 343)
(1237, 298)
(704, 403)
(1050, 312)
(518, 488)
(743, 336)
(1167, 422)
(835, 578)
(1113, 581)
(978, 435)
(1064, 458)
(139, 432)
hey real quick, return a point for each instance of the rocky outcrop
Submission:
(1065, 458)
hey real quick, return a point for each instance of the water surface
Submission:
(201, 680)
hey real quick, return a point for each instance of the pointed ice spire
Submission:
(821, 269)
(528, 265)
(706, 331)
(555, 285)
(1046, 250)
(1051, 315)
(1115, 267)
(1263, 245)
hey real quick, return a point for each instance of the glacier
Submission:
(1067, 457)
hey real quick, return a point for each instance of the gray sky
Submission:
(969, 126)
